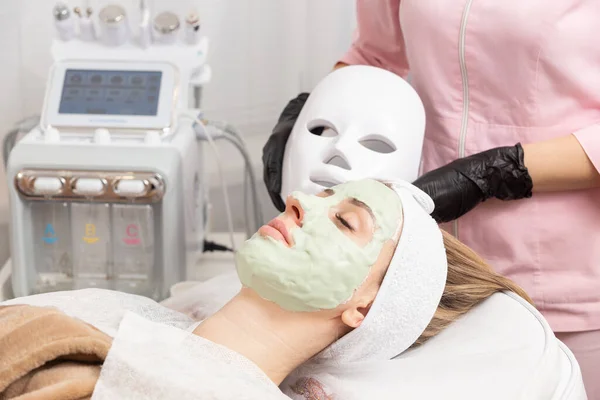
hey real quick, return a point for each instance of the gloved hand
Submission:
(274, 149)
(459, 186)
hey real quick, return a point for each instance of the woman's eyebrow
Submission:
(362, 205)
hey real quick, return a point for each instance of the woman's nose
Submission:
(294, 210)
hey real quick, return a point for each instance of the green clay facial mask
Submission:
(324, 266)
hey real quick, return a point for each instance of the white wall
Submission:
(10, 100)
(263, 52)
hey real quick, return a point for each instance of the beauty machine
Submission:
(108, 190)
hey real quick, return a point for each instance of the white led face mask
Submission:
(374, 124)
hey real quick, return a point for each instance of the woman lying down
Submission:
(352, 276)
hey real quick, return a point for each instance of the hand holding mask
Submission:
(458, 187)
(274, 149)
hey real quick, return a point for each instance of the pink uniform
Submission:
(494, 73)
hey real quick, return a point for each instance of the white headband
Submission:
(410, 292)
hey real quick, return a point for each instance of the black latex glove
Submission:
(274, 149)
(459, 186)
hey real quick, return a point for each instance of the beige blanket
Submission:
(47, 355)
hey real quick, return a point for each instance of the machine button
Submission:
(89, 186)
(47, 185)
(130, 187)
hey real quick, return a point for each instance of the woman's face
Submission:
(322, 249)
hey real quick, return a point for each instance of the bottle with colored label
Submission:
(133, 248)
(51, 258)
(91, 243)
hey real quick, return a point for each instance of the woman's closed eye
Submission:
(344, 222)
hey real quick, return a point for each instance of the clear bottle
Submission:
(52, 246)
(91, 244)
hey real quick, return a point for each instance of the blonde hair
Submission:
(470, 280)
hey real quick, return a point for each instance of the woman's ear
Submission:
(355, 315)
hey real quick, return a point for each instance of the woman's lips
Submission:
(277, 230)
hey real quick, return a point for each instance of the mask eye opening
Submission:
(322, 127)
(378, 144)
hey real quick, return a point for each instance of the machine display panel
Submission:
(110, 92)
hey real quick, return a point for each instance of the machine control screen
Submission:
(104, 92)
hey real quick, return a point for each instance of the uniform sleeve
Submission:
(589, 139)
(378, 39)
